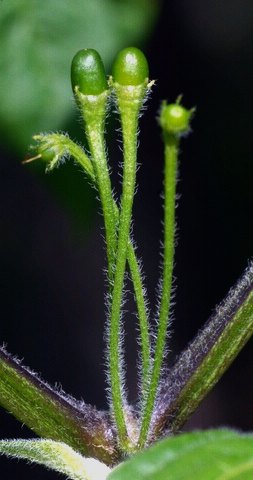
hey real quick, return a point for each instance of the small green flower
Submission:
(175, 119)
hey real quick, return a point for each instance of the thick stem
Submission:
(52, 415)
(171, 155)
(207, 357)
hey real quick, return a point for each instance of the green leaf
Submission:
(38, 41)
(56, 456)
(209, 455)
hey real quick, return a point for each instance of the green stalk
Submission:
(129, 120)
(143, 319)
(103, 180)
(93, 114)
(93, 109)
(171, 156)
(121, 222)
(63, 145)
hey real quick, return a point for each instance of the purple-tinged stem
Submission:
(51, 414)
(207, 357)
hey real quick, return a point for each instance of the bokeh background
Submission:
(52, 254)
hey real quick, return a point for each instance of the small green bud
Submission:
(130, 67)
(175, 119)
(88, 72)
(46, 154)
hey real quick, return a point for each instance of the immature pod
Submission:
(90, 87)
(88, 73)
(130, 67)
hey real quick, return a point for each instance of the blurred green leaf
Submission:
(38, 40)
(209, 455)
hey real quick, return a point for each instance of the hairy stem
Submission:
(52, 415)
(93, 108)
(65, 146)
(171, 155)
(130, 100)
(206, 358)
(125, 251)
(129, 127)
(143, 319)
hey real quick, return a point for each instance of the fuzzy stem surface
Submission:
(93, 108)
(208, 356)
(53, 415)
(66, 146)
(171, 157)
(129, 103)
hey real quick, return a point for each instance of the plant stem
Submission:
(121, 220)
(93, 109)
(52, 415)
(129, 106)
(65, 146)
(171, 156)
(139, 290)
(143, 319)
(206, 358)
(94, 128)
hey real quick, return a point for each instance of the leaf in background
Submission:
(208, 455)
(56, 456)
(38, 40)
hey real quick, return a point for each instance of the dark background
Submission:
(52, 286)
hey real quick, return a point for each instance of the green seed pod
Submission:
(88, 72)
(130, 67)
(175, 119)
